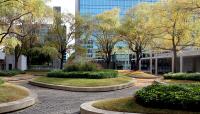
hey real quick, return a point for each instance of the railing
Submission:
(40, 67)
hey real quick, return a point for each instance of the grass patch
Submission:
(175, 96)
(9, 93)
(129, 105)
(180, 81)
(138, 74)
(84, 82)
(1, 81)
(183, 76)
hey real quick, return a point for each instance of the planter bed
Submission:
(86, 85)
(124, 106)
(14, 97)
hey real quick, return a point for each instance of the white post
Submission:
(156, 66)
(181, 63)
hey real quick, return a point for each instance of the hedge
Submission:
(11, 72)
(90, 75)
(183, 76)
(181, 97)
(88, 66)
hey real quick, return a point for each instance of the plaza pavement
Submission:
(65, 102)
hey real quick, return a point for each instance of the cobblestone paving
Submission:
(65, 102)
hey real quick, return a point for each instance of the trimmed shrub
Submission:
(183, 76)
(183, 97)
(1, 81)
(88, 66)
(86, 74)
(11, 72)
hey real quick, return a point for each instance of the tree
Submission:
(136, 29)
(19, 19)
(62, 34)
(104, 31)
(177, 26)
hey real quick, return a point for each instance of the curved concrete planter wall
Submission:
(153, 77)
(84, 89)
(87, 108)
(19, 104)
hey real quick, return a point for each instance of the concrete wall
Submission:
(2, 55)
(10, 61)
(22, 64)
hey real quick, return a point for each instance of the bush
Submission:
(184, 97)
(88, 66)
(86, 74)
(11, 72)
(183, 76)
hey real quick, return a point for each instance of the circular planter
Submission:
(83, 89)
(87, 108)
(19, 104)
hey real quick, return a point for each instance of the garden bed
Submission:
(77, 82)
(173, 96)
(129, 105)
(14, 97)
(9, 93)
(183, 76)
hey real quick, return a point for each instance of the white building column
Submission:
(151, 63)
(156, 66)
(140, 65)
(181, 63)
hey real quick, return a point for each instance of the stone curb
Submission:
(87, 108)
(19, 104)
(145, 77)
(83, 89)
(159, 82)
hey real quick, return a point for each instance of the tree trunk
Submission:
(16, 57)
(108, 61)
(16, 62)
(137, 62)
(62, 61)
(174, 62)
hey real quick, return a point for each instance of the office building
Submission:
(94, 7)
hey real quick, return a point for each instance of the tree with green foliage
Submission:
(136, 29)
(178, 28)
(18, 19)
(65, 29)
(104, 30)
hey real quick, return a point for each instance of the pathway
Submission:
(66, 102)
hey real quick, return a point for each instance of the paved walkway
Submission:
(66, 102)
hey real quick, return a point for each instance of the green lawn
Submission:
(84, 82)
(129, 105)
(137, 74)
(179, 81)
(10, 93)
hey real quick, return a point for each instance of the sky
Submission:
(66, 5)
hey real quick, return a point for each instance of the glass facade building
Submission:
(94, 7)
